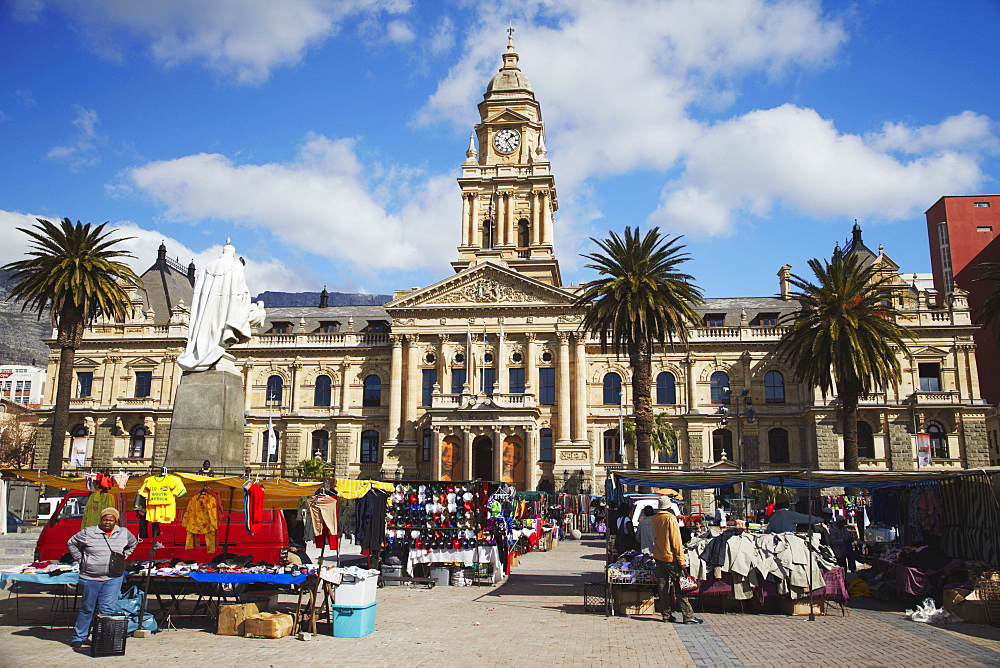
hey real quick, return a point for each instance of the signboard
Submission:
(923, 449)
(78, 452)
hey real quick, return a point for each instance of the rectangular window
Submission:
(981, 205)
(930, 376)
(545, 445)
(984, 228)
(143, 383)
(430, 376)
(547, 386)
(489, 380)
(767, 320)
(715, 320)
(280, 328)
(84, 383)
(458, 380)
(516, 381)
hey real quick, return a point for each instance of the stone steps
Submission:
(19, 548)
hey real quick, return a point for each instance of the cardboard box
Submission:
(269, 625)
(233, 617)
(635, 601)
(800, 606)
(966, 604)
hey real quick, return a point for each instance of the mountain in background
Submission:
(280, 299)
(21, 332)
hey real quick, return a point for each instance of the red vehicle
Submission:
(269, 544)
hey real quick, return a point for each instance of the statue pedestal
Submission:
(207, 421)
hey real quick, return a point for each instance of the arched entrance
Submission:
(482, 458)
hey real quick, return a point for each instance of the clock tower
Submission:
(508, 192)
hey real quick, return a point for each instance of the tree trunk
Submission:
(69, 337)
(850, 407)
(642, 403)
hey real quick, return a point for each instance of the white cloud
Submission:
(967, 129)
(262, 273)
(399, 32)
(243, 39)
(84, 149)
(320, 203)
(791, 154)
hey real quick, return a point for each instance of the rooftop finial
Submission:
(510, 37)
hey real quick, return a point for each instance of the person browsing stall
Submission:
(646, 537)
(101, 552)
(784, 519)
(668, 551)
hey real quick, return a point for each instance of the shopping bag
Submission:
(130, 601)
(687, 583)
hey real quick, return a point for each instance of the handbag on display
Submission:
(687, 583)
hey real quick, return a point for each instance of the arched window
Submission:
(274, 389)
(321, 445)
(774, 387)
(269, 455)
(321, 395)
(666, 388)
(939, 440)
(866, 441)
(137, 442)
(722, 442)
(612, 389)
(522, 233)
(720, 381)
(777, 446)
(425, 445)
(373, 391)
(612, 447)
(369, 446)
(79, 430)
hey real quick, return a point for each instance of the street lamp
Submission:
(743, 411)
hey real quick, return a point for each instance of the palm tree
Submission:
(844, 335)
(641, 299)
(74, 272)
(989, 312)
(662, 437)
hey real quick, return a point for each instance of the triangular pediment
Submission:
(142, 361)
(485, 284)
(930, 351)
(85, 362)
(508, 116)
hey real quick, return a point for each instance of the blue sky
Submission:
(325, 136)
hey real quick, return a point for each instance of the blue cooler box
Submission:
(353, 621)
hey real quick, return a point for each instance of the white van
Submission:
(46, 507)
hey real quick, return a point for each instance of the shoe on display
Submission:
(694, 620)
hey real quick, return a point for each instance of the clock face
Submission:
(507, 140)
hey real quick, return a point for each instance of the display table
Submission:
(64, 605)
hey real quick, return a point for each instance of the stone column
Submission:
(901, 453)
(395, 389)
(296, 374)
(345, 384)
(546, 215)
(530, 370)
(109, 389)
(435, 454)
(444, 363)
(413, 387)
(247, 386)
(535, 239)
(508, 218)
(498, 437)
(530, 456)
(466, 226)
(580, 390)
(502, 376)
(474, 220)
(692, 397)
(466, 453)
(563, 401)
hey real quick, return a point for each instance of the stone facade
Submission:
(485, 373)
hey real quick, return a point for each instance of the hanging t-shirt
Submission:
(161, 492)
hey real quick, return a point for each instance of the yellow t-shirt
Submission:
(161, 494)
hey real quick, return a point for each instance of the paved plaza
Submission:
(538, 618)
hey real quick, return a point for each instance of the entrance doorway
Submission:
(482, 458)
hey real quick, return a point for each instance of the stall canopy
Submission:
(789, 478)
(278, 492)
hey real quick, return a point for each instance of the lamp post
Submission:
(744, 410)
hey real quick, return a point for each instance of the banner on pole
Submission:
(78, 453)
(923, 449)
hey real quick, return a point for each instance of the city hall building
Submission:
(486, 374)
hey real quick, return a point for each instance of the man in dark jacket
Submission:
(92, 548)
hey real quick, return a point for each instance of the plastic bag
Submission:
(929, 613)
(130, 603)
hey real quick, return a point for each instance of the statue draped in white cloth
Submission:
(222, 313)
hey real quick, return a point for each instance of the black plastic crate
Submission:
(109, 635)
(594, 596)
